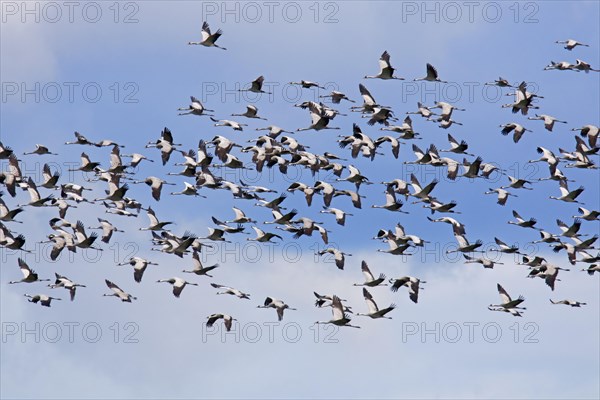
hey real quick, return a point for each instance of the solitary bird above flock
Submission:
(386, 71)
(208, 38)
(508, 304)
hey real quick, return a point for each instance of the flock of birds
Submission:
(275, 150)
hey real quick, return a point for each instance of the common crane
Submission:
(571, 303)
(432, 75)
(339, 317)
(64, 282)
(231, 291)
(29, 275)
(570, 44)
(412, 283)
(118, 292)
(43, 299)
(507, 304)
(256, 86)
(370, 280)
(208, 38)
(178, 284)
(200, 269)
(227, 320)
(195, 108)
(277, 304)
(386, 71)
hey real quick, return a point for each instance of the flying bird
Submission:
(386, 71)
(374, 311)
(278, 305)
(227, 320)
(209, 39)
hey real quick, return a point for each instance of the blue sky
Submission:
(148, 62)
